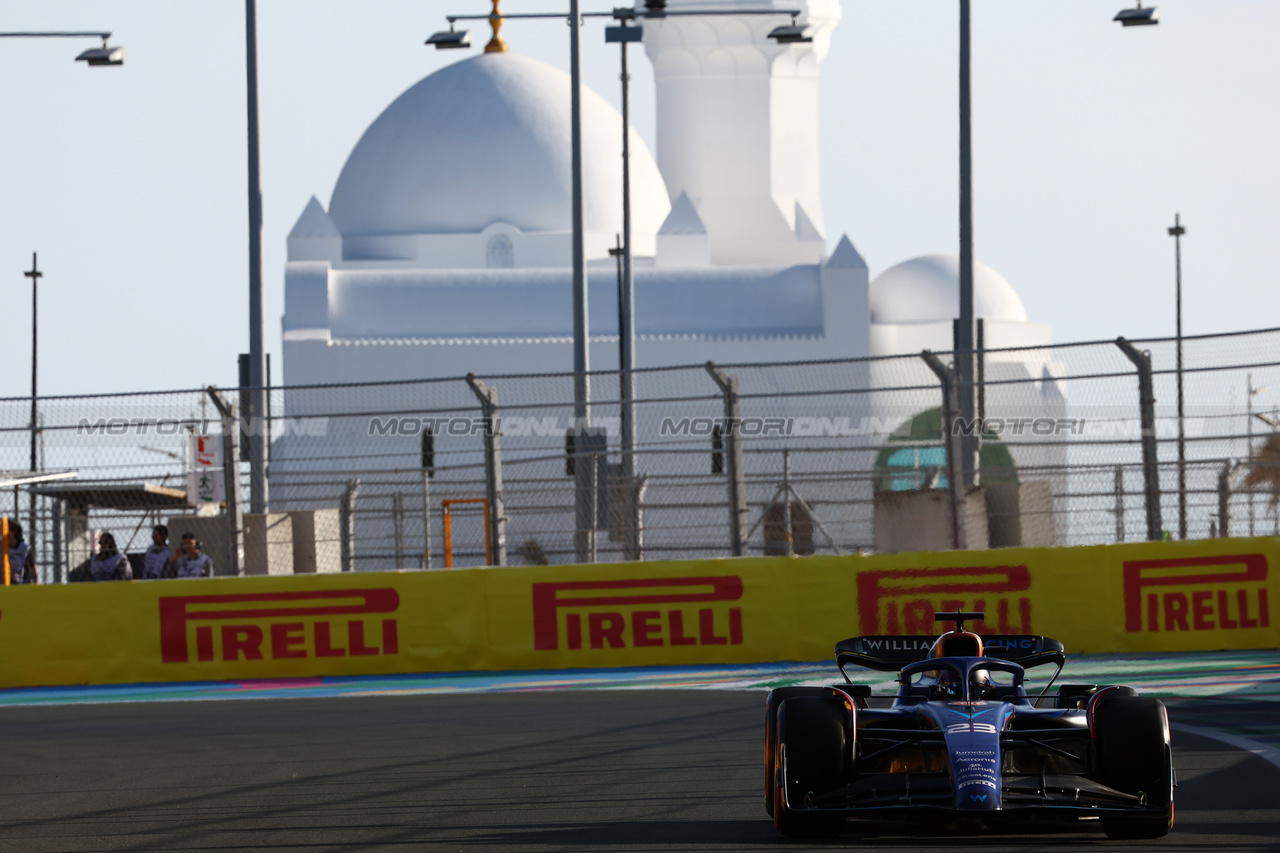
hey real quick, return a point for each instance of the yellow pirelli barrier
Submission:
(1166, 596)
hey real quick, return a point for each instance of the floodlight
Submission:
(105, 55)
(1138, 16)
(450, 39)
(623, 34)
(791, 34)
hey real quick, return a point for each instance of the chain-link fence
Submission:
(775, 458)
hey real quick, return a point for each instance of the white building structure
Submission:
(446, 245)
(445, 248)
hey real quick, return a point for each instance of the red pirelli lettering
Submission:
(1237, 597)
(241, 620)
(606, 627)
(897, 601)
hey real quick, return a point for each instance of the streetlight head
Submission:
(1138, 17)
(450, 39)
(105, 55)
(623, 34)
(791, 34)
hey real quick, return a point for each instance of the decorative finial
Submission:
(496, 44)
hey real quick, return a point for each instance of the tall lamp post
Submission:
(966, 334)
(1250, 393)
(623, 35)
(965, 331)
(106, 56)
(585, 501)
(256, 402)
(1176, 233)
(35, 275)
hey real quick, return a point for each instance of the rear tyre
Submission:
(1134, 756)
(811, 755)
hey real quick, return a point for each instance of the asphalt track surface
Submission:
(614, 770)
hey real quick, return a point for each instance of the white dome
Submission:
(486, 140)
(927, 290)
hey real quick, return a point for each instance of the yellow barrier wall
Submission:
(1167, 596)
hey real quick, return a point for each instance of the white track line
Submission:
(1262, 750)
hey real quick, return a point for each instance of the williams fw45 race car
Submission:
(963, 747)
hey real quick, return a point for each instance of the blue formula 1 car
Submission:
(963, 747)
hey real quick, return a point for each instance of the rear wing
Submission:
(890, 653)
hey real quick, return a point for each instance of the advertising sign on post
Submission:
(205, 480)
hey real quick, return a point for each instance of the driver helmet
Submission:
(963, 644)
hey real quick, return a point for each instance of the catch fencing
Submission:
(767, 458)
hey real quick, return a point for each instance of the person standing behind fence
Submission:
(109, 564)
(192, 562)
(157, 563)
(22, 564)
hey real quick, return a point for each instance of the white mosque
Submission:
(445, 247)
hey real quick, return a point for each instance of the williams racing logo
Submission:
(276, 625)
(621, 614)
(904, 601)
(1196, 594)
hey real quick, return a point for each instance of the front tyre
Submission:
(809, 760)
(773, 703)
(1135, 756)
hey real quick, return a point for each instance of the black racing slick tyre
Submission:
(1134, 755)
(810, 758)
(773, 703)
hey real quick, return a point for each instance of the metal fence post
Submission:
(426, 519)
(397, 526)
(1150, 453)
(1224, 498)
(347, 525)
(231, 479)
(733, 444)
(1119, 503)
(955, 464)
(488, 396)
(57, 534)
(787, 536)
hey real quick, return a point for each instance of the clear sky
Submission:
(130, 182)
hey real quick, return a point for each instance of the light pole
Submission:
(105, 56)
(585, 502)
(965, 333)
(256, 402)
(966, 336)
(1176, 233)
(581, 322)
(623, 35)
(1250, 393)
(35, 275)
